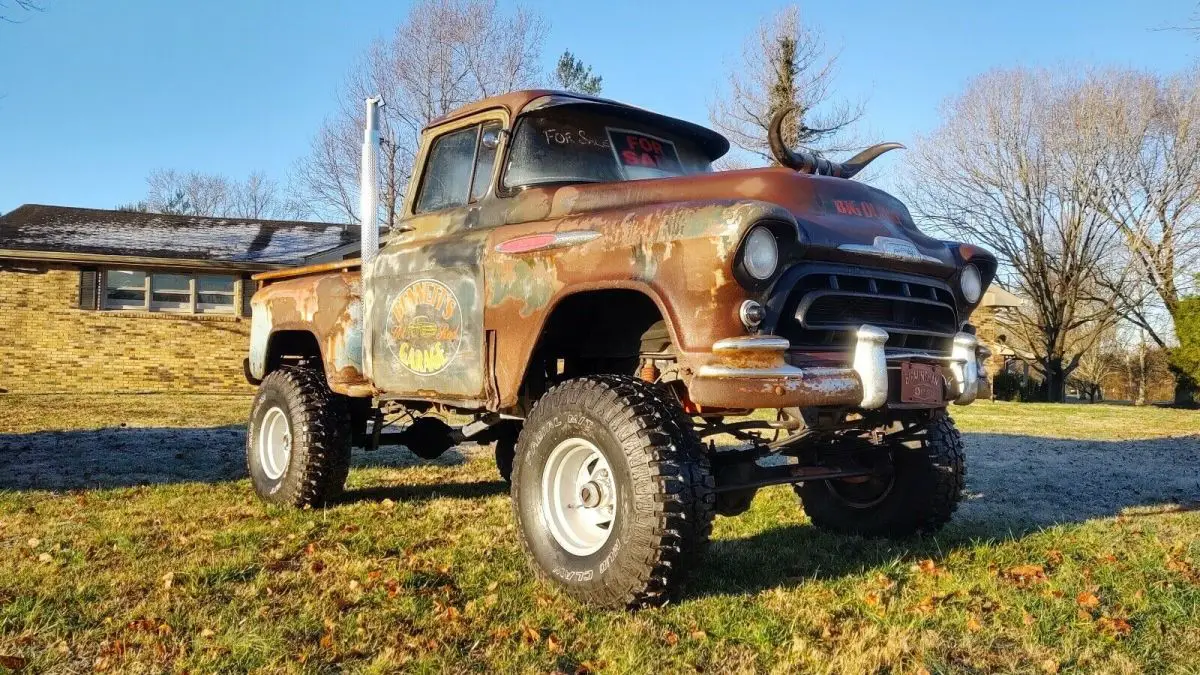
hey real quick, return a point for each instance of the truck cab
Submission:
(572, 276)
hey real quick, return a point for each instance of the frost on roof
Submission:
(52, 228)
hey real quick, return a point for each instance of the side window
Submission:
(446, 181)
(489, 140)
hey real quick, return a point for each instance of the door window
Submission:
(459, 168)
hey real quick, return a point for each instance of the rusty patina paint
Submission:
(329, 306)
(673, 239)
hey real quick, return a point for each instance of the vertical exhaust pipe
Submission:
(368, 190)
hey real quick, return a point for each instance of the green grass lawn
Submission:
(418, 569)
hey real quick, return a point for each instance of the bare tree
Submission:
(1150, 130)
(446, 53)
(11, 8)
(200, 194)
(994, 174)
(785, 63)
(1098, 364)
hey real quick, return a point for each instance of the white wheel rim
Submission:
(274, 443)
(579, 498)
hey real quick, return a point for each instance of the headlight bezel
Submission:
(974, 293)
(759, 245)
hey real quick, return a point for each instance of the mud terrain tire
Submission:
(656, 476)
(928, 479)
(313, 423)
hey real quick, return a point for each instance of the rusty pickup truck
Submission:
(645, 341)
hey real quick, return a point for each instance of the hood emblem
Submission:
(891, 247)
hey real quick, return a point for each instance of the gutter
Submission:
(109, 259)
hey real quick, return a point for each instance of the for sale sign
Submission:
(643, 151)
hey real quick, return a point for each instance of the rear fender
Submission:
(329, 306)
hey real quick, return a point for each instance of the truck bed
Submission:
(293, 272)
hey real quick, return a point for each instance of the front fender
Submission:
(680, 254)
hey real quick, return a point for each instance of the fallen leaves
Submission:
(1025, 575)
(1184, 569)
(13, 662)
(1087, 600)
(929, 567)
(1114, 626)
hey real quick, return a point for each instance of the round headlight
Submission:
(760, 253)
(971, 283)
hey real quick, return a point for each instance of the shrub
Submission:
(1006, 385)
(1185, 359)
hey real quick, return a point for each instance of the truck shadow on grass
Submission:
(132, 456)
(1015, 485)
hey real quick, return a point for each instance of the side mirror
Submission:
(490, 138)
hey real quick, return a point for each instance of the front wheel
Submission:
(298, 444)
(917, 491)
(611, 490)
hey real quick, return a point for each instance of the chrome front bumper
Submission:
(752, 372)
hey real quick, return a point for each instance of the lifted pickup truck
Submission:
(571, 276)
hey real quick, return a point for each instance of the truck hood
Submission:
(842, 220)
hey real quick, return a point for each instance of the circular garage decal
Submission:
(424, 327)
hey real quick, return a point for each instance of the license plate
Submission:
(921, 383)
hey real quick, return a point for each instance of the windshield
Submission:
(569, 145)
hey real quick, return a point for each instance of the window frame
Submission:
(193, 306)
(425, 172)
(479, 120)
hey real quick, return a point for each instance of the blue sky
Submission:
(98, 94)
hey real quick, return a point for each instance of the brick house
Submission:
(994, 319)
(116, 301)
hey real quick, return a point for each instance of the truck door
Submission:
(423, 294)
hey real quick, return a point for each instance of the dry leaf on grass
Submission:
(1087, 600)
(1025, 574)
(12, 662)
(1114, 626)
(929, 567)
(973, 624)
(671, 638)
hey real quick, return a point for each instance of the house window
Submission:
(215, 293)
(124, 289)
(170, 292)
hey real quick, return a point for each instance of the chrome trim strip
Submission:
(919, 356)
(771, 373)
(545, 241)
(752, 343)
(893, 248)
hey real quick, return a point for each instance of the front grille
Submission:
(825, 308)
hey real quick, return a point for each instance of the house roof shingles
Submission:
(35, 227)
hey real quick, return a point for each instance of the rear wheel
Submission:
(916, 490)
(298, 443)
(612, 494)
